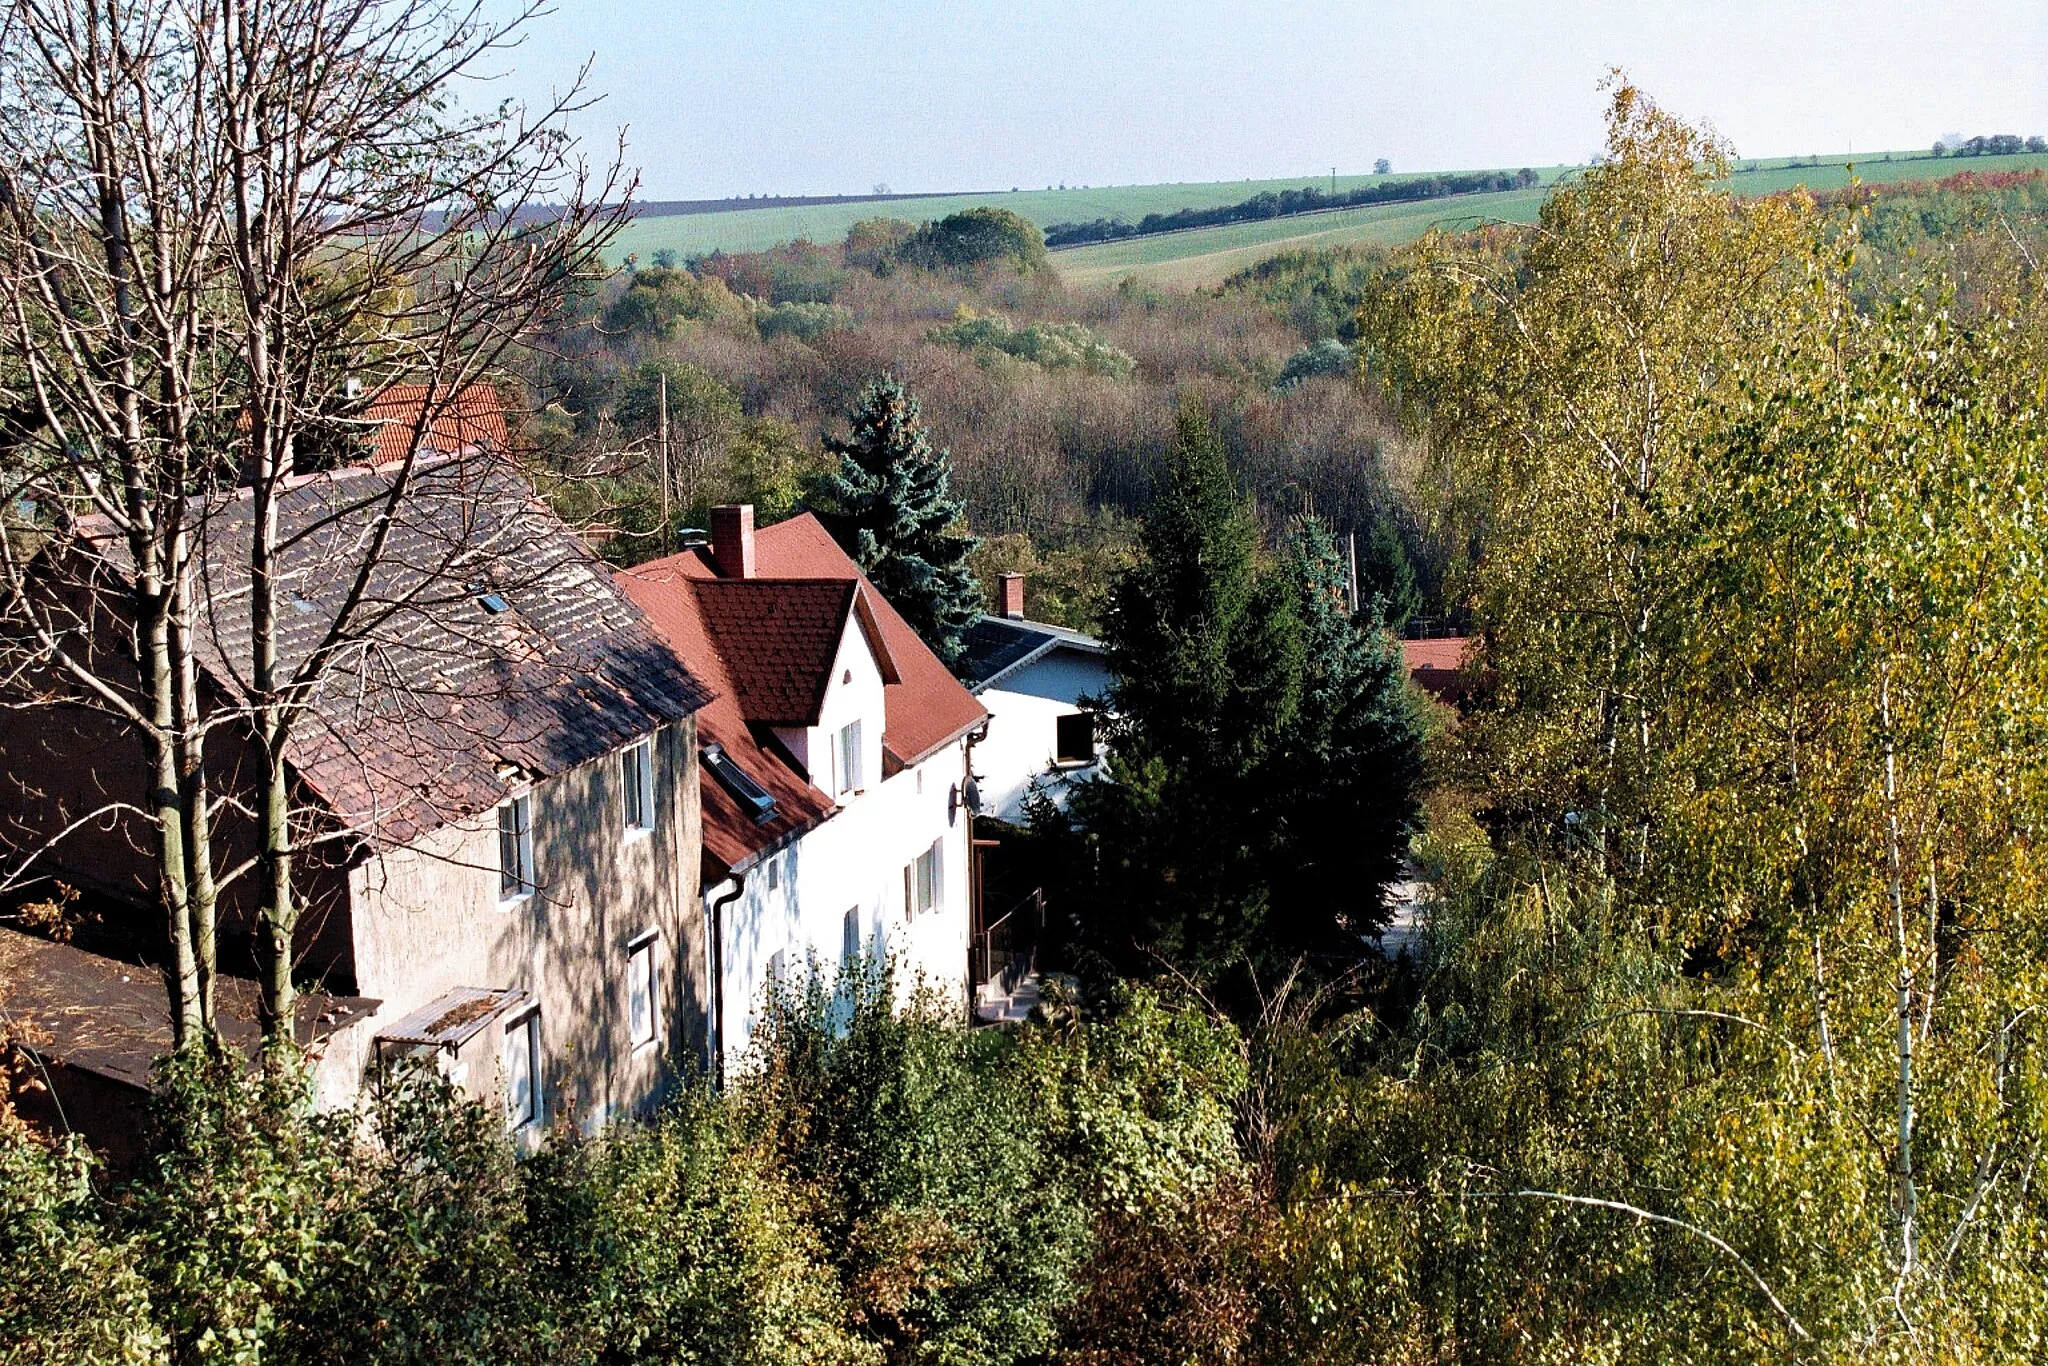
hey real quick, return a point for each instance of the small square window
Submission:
(636, 764)
(515, 849)
(1074, 738)
(522, 1071)
(643, 991)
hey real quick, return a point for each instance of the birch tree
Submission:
(226, 228)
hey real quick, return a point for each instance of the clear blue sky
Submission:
(832, 96)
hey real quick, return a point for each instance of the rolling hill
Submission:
(1207, 255)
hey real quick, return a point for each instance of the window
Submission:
(643, 991)
(515, 849)
(522, 1071)
(774, 874)
(849, 936)
(1074, 740)
(848, 754)
(922, 889)
(637, 765)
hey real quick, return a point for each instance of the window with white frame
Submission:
(522, 1071)
(515, 849)
(643, 990)
(849, 936)
(922, 889)
(847, 754)
(636, 764)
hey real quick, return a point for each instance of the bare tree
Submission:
(226, 228)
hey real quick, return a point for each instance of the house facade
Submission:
(1035, 680)
(498, 783)
(833, 760)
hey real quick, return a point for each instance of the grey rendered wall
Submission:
(427, 919)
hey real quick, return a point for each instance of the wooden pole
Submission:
(1351, 555)
(666, 520)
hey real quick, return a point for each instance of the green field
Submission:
(1207, 255)
(754, 229)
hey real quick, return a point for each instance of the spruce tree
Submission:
(1175, 841)
(1348, 772)
(891, 507)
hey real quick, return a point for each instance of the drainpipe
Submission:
(718, 905)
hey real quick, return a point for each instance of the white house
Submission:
(833, 761)
(1033, 679)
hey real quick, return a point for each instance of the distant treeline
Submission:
(1307, 199)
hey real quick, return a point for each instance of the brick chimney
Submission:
(732, 539)
(1010, 595)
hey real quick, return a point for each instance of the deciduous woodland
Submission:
(1721, 1036)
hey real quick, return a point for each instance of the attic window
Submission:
(739, 784)
(492, 603)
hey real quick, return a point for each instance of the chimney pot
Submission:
(732, 539)
(1012, 595)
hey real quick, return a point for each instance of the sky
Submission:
(837, 96)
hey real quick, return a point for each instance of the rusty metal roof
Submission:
(452, 1019)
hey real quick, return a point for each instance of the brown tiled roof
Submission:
(435, 705)
(725, 635)
(672, 603)
(471, 420)
(778, 638)
(926, 706)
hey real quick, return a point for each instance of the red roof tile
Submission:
(728, 633)
(778, 638)
(1437, 665)
(670, 600)
(927, 706)
(471, 419)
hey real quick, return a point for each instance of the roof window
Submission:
(739, 784)
(492, 603)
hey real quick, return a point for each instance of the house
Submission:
(1034, 679)
(498, 788)
(834, 767)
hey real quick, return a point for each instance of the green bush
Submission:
(1054, 346)
(804, 321)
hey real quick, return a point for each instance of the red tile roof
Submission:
(778, 638)
(1437, 665)
(725, 631)
(927, 706)
(670, 600)
(470, 419)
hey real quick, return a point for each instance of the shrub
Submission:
(657, 300)
(1326, 357)
(70, 1288)
(804, 321)
(973, 239)
(1055, 346)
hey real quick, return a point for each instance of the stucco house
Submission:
(1033, 678)
(834, 758)
(498, 789)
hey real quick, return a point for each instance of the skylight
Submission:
(493, 604)
(739, 785)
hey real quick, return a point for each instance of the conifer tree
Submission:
(1203, 643)
(891, 507)
(1349, 771)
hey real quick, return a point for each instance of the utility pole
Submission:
(1351, 556)
(662, 437)
(1333, 182)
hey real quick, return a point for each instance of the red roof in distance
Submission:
(473, 418)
